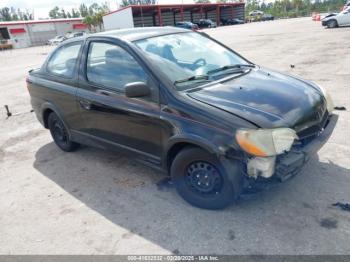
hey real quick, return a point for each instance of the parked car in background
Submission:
(206, 23)
(187, 25)
(329, 15)
(340, 19)
(232, 21)
(77, 34)
(267, 17)
(5, 44)
(255, 16)
(184, 103)
(56, 40)
(256, 13)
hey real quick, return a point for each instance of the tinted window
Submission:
(113, 67)
(64, 60)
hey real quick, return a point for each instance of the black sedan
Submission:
(206, 23)
(185, 104)
(232, 21)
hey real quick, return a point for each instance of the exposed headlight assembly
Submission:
(329, 100)
(266, 142)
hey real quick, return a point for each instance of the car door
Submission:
(347, 17)
(343, 18)
(109, 116)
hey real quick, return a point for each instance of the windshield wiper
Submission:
(226, 67)
(192, 78)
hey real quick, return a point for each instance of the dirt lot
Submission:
(95, 202)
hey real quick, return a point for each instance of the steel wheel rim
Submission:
(204, 178)
(60, 133)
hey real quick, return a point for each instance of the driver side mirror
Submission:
(137, 89)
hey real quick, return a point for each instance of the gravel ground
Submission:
(96, 202)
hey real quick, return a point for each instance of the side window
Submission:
(64, 60)
(113, 67)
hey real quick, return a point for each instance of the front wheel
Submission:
(60, 135)
(201, 179)
(332, 24)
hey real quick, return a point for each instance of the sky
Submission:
(42, 7)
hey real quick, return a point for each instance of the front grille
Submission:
(310, 133)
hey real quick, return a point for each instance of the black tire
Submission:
(60, 134)
(332, 24)
(215, 192)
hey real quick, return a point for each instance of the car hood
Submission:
(328, 16)
(266, 98)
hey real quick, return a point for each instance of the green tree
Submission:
(94, 9)
(54, 13)
(83, 10)
(5, 14)
(98, 19)
(63, 14)
(13, 14)
(89, 21)
(14, 17)
(75, 13)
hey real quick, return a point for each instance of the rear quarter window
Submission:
(64, 60)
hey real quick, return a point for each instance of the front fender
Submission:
(192, 139)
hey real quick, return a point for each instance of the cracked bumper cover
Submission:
(290, 164)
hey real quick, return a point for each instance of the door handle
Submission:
(85, 104)
(104, 92)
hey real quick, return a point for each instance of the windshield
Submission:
(189, 56)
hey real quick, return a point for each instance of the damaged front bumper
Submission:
(289, 164)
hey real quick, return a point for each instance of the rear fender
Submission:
(48, 105)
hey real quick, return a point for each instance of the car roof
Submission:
(133, 34)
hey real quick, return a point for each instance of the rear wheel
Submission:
(60, 135)
(201, 179)
(332, 24)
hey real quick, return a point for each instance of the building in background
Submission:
(168, 15)
(21, 34)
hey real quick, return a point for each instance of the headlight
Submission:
(266, 142)
(329, 100)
